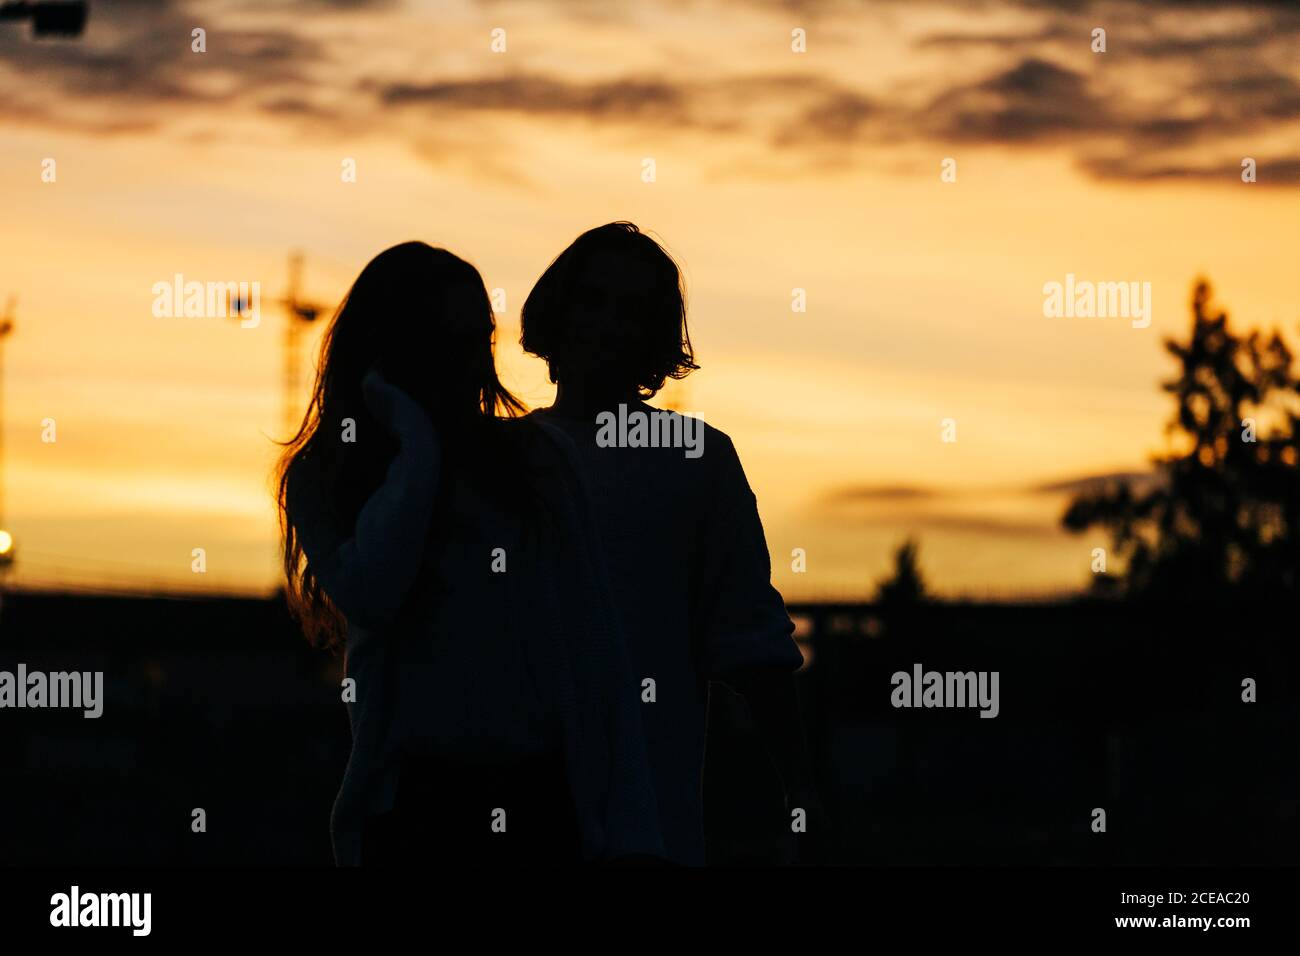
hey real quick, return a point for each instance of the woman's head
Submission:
(610, 311)
(422, 317)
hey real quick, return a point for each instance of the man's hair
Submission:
(667, 351)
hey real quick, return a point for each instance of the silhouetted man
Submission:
(688, 563)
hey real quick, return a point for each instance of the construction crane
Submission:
(6, 538)
(298, 314)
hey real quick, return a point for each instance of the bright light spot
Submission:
(6, 542)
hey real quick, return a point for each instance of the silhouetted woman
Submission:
(446, 545)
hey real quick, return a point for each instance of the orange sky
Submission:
(775, 170)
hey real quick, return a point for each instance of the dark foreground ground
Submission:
(219, 704)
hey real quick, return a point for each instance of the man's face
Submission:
(605, 318)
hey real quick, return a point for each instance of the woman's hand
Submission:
(369, 568)
(399, 414)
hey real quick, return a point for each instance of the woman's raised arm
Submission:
(367, 571)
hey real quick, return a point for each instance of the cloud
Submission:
(1141, 482)
(981, 511)
(1252, 97)
(623, 99)
(840, 116)
(1078, 484)
(1033, 100)
(136, 56)
(982, 525)
(1037, 102)
(344, 6)
(1170, 84)
(948, 41)
(1283, 172)
(924, 509)
(873, 493)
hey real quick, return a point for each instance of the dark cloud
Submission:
(871, 493)
(888, 505)
(1141, 481)
(743, 104)
(344, 6)
(1170, 80)
(1214, 44)
(1093, 7)
(626, 99)
(137, 55)
(1253, 97)
(1082, 484)
(841, 116)
(844, 512)
(1037, 101)
(296, 107)
(1129, 32)
(947, 41)
(1284, 171)
(1033, 100)
(981, 525)
(1132, 114)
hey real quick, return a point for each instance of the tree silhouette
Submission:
(906, 586)
(1222, 520)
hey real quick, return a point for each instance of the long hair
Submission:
(423, 318)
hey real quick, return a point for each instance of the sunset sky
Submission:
(775, 170)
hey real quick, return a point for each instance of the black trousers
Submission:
(469, 813)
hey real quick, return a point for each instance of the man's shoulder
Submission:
(690, 421)
(668, 434)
